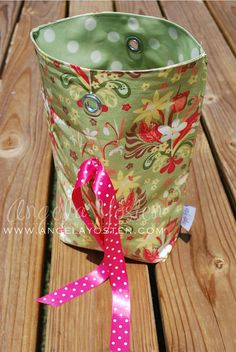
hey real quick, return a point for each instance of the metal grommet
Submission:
(92, 104)
(134, 44)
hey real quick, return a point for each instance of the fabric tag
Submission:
(188, 217)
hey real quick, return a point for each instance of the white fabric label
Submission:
(188, 217)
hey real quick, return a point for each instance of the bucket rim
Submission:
(52, 59)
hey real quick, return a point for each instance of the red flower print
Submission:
(192, 119)
(52, 113)
(170, 227)
(80, 103)
(182, 69)
(126, 205)
(111, 172)
(164, 85)
(56, 63)
(149, 133)
(173, 238)
(129, 166)
(73, 155)
(194, 71)
(179, 101)
(151, 255)
(129, 238)
(54, 142)
(80, 72)
(185, 67)
(167, 182)
(126, 107)
(171, 164)
(104, 108)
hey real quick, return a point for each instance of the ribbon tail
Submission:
(113, 264)
(76, 288)
(120, 326)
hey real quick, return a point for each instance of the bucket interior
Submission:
(117, 41)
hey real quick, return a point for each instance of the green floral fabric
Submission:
(144, 136)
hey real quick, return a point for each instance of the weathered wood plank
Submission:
(197, 284)
(84, 324)
(83, 6)
(219, 103)
(140, 7)
(8, 15)
(25, 159)
(224, 14)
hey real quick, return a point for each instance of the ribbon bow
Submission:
(113, 263)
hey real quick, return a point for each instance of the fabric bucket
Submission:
(127, 90)
(123, 95)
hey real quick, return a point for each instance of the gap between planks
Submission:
(224, 14)
(9, 16)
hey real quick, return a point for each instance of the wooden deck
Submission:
(187, 303)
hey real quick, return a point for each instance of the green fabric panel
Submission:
(146, 131)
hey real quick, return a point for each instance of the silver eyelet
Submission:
(92, 104)
(134, 44)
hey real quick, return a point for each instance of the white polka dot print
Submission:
(49, 35)
(154, 43)
(194, 53)
(96, 56)
(181, 57)
(170, 62)
(133, 23)
(72, 46)
(113, 37)
(113, 267)
(90, 24)
(116, 65)
(173, 33)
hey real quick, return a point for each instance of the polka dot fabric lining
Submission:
(99, 41)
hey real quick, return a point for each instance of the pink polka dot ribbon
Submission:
(113, 264)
